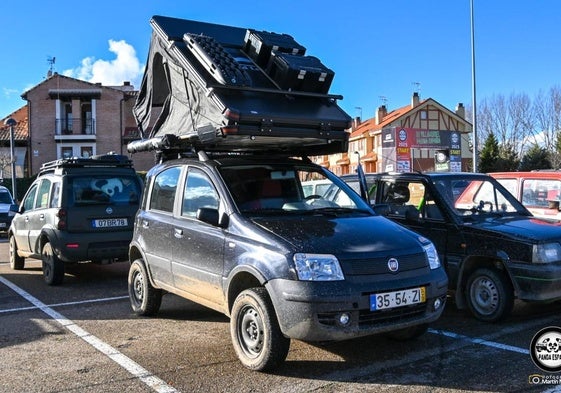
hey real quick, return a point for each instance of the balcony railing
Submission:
(75, 127)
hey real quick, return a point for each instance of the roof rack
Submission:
(102, 160)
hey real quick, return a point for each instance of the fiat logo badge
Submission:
(109, 210)
(393, 265)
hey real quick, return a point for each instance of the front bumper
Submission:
(537, 282)
(310, 311)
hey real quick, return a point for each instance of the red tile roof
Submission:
(21, 129)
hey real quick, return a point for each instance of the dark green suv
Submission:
(78, 209)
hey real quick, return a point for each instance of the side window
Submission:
(430, 209)
(43, 194)
(511, 185)
(403, 198)
(30, 198)
(199, 192)
(163, 189)
(539, 192)
(55, 198)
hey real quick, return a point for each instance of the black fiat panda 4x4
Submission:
(78, 209)
(236, 233)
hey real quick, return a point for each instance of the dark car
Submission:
(492, 247)
(236, 233)
(8, 209)
(78, 209)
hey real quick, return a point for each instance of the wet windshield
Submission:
(288, 188)
(478, 197)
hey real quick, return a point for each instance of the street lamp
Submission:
(475, 143)
(10, 122)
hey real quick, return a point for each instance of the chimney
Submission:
(461, 110)
(415, 100)
(126, 83)
(381, 113)
(356, 122)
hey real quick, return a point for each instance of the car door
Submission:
(198, 247)
(20, 224)
(38, 217)
(422, 212)
(157, 218)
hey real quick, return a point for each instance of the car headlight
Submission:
(430, 251)
(318, 267)
(546, 253)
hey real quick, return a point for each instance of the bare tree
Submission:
(547, 109)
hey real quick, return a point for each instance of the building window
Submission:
(66, 152)
(424, 115)
(86, 151)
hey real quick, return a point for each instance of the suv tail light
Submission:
(61, 224)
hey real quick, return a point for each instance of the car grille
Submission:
(380, 265)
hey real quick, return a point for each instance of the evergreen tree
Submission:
(535, 158)
(507, 161)
(489, 154)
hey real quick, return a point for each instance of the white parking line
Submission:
(107, 299)
(128, 364)
(481, 341)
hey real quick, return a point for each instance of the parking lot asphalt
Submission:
(83, 337)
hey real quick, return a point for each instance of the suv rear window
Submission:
(91, 190)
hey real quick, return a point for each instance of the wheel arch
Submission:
(135, 253)
(475, 262)
(241, 279)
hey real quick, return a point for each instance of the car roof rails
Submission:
(110, 159)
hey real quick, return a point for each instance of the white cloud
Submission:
(125, 67)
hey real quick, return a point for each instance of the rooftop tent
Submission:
(235, 89)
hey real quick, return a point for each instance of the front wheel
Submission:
(145, 299)
(53, 267)
(256, 335)
(490, 296)
(16, 262)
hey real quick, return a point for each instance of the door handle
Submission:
(178, 233)
(145, 224)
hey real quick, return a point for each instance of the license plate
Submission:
(406, 297)
(109, 222)
(2, 225)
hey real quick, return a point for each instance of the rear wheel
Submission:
(16, 262)
(256, 335)
(53, 267)
(490, 296)
(144, 298)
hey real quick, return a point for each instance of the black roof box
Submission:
(212, 86)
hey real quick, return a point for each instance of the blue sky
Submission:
(380, 51)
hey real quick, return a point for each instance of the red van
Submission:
(539, 191)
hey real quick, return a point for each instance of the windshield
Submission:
(478, 197)
(288, 188)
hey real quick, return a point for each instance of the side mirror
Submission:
(212, 217)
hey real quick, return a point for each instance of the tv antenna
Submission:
(51, 61)
(384, 99)
(417, 87)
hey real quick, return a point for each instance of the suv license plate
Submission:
(380, 301)
(109, 222)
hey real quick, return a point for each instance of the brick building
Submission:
(67, 117)
(406, 139)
